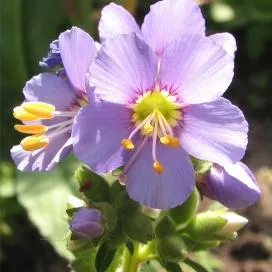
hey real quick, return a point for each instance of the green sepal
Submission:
(184, 213)
(201, 167)
(115, 189)
(124, 205)
(110, 216)
(138, 226)
(71, 212)
(171, 249)
(194, 246)
(116, 236)
(172, 267)
(204, 227)
(93, 187)
(164, 226)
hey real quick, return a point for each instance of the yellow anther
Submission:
(31, 129)
(41, 109)
(127, 144)
(158, 167)
(165, 139)
(174, 142)
(34, 142)
(23, 115)
(170, 140)
(147, 129)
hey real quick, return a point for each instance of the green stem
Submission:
(141, 254)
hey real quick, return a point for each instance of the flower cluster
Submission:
(147, 100)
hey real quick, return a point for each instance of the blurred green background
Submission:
(32, 221)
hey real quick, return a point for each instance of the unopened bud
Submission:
(215, 226)
(234, 223)
(87, 224)
(171, 249)
(233, 186)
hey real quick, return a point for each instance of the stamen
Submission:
(21, 114)
(154, 142)
(158, 167)
(127, 144)
(170, 140)
(174, 142)
(31, 129)
(41, 109)
(35, 142)
(165, 139)
(147, 129)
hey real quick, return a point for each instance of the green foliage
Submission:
(93, 187)
(184, 213)
(164, 226)
(45, 196)
(138, 227)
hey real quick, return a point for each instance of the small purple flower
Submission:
(51, 103)
(160, 93)
(87, 224)
(53, 58)
(233, 186)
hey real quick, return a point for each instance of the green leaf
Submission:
(92, 186)
(121, 260)
(104, 257)
(44, 195)
(197, 267)
(138, 226)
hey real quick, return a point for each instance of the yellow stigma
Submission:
(34, 142)
(40, 109)
(170, 140)
(31, 129)
(127, 144)
(21, 114)
(147, 129)
(158, 167)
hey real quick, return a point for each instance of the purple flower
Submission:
(234, 185)
(87, 224)
(166, 22)
(51, 103)
(53, 58)
(156, 111)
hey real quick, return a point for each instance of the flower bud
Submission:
(234, 223)
(185, 212)
(215, 226)
(171, 248)
(87, 224)
(233, 186)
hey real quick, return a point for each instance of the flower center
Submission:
(155, 114)
(40, 134)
